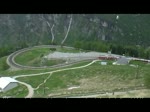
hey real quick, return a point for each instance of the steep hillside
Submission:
(34, 29)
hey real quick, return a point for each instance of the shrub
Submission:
(4, 66)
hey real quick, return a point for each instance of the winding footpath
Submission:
(31, 89)
(43, 82)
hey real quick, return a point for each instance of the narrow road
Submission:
(30, 89)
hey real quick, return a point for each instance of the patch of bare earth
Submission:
(105, 83)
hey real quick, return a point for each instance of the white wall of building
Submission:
(10, 86)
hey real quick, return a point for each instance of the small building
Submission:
(122, 61)
(7, 83)
(103, 63)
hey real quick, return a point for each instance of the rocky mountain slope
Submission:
(35, 29)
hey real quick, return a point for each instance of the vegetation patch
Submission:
(140, 63)
(31, 57)
(3, 65)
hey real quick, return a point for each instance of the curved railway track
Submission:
(11, 58)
